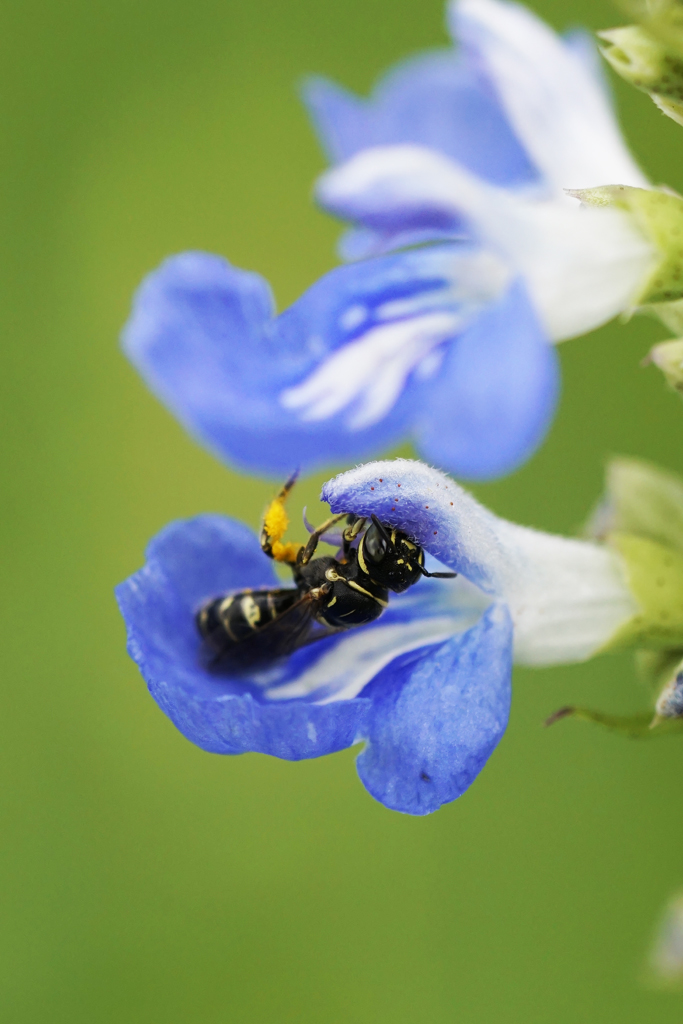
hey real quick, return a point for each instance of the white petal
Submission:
(567, 597)
(582, 266)
(556, 106)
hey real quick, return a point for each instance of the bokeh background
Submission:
(143, 880)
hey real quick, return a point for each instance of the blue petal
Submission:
(437, 513)
(437, 715)
(188, 562)
(307, 706)
(203, 336)
(438, 100)
(495, 394)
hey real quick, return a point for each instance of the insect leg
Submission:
(275, 523)
(350, 534)
(306, 554)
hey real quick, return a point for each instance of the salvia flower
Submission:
(426, 687)
(447, 344)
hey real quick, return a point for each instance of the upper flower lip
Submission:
(581, 267)
(555, 100)
(580, 272)
(567, 597)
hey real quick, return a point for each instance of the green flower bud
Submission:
(659, 215)
(640, 499)
(668, 356)
(645, 62)
(672, 108)
(641, 518)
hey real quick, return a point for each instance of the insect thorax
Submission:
(353, 600)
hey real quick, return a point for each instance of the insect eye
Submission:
(375, 544)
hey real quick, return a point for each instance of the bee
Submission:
(253, 628)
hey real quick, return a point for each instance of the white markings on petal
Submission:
(556, 105)
(366, 376)
(582, 266)
(343, 672)
(435, 610)
(353, 317)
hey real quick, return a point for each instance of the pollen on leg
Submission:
(275, 523)
(276, 520)
(286, 552)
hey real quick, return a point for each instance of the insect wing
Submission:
(276, 639)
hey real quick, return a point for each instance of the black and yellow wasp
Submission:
(255, 627)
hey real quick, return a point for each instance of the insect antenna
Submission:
(437, 575)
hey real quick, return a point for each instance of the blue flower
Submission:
(426, 686)
(447, 345)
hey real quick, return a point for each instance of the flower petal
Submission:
(304, 707)
(340, 373)
(188, 562)
(567, 598)
(436, 99)
(555, 104)
(582, 267)
(495, 393)
(437, 715)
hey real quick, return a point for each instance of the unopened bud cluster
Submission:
(649, 58)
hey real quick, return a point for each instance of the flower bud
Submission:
(642, 499)
(669, 703)
(668, 356)
(644, 61)
(659, 215)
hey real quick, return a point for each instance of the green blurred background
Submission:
(143, 880)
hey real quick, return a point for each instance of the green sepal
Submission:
(659, 215)
(670, 313)
(655, 578)
(672, 108)
(656, 668)
(641, 726)
(668, 357)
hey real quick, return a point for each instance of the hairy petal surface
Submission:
(556, 105)
(567, 598)
(436, 717)
(580, 270)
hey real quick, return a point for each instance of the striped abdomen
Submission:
(225, 622)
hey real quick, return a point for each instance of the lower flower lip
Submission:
(264, 711)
